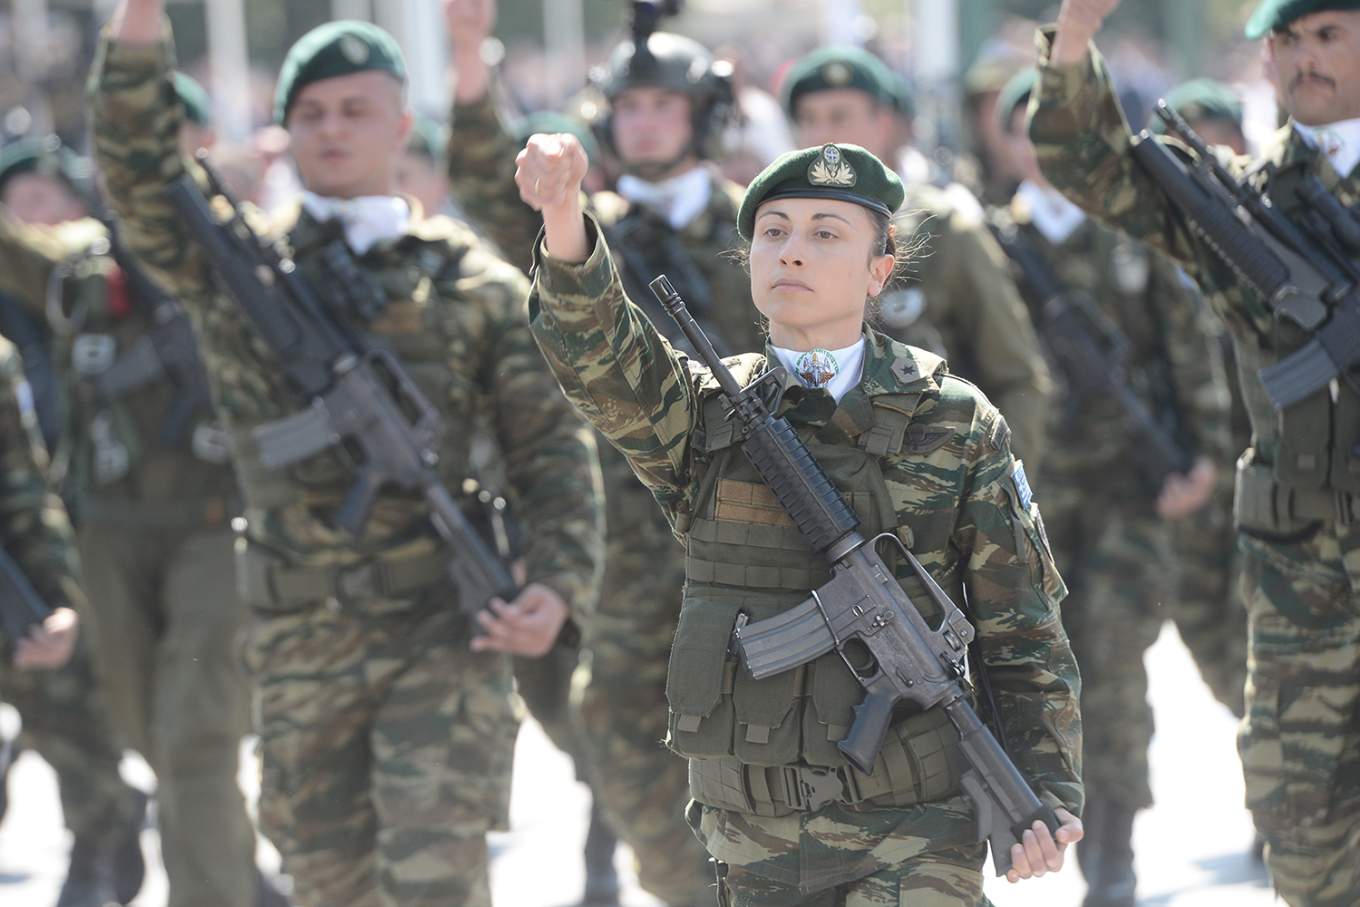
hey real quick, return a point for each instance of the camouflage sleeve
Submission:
(135, 121)
(481, 166)
(621, 374)
(990, 317)
(1195, 359)
(550, 457)
(33, 522)
(1083, 142)
(1013, 595)
(27, 257)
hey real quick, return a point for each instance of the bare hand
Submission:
(469, 22)
(549, 173)
(1040, 854)
(527, 626)
(1182, 495)
(137, 22)
(50, 644)
(1078, 21)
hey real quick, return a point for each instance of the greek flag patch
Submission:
(1022, 490)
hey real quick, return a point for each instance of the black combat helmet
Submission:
(671, 61)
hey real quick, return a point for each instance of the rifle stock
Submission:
(911, 660)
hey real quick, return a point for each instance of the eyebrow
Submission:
(819, 216)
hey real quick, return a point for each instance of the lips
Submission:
(789, 283)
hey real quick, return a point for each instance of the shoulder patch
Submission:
(1023, 494)
(920, 439)
(1000, 434)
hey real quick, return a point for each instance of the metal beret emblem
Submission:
(837, 74)
(354, 49)
(830, 168)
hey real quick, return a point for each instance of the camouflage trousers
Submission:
(843, 858)
(386, 753)
(1116, 559)
(1300, 742)
(642, 786)
(164, 616)
(66, 720)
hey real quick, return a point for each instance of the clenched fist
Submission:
(549, 172)
(1078, 21)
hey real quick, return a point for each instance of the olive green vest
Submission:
(745, 557)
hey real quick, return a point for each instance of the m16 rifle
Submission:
(1302, 269)
(358, 400)
(1091, 352)
(911, 661)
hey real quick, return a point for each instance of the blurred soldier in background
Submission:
(48, 678)
(1111, 522)
(145, 469)
(958, 299)
(667, 104)
(387, 729)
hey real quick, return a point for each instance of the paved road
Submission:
(1192, 847)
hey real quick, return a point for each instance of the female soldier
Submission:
(917, 452)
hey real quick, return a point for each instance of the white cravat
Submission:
(1340, 141)
(1050, 212)
(849, 362)
(367, 220)
(679, 199)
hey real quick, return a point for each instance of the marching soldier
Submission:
(1296, 488)
(387, 730)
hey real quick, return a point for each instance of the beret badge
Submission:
(355, 49)
(831, 169)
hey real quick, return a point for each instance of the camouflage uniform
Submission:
(643, 788)
(64, 715)
(957, 299)
(1294, 500)
(949, 493)
(1110, 545)
(386, 743)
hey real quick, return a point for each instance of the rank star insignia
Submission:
(830, 168)
(817, 367)
(354, 49)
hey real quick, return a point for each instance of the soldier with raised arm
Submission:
(387, 728)
(1297, 485)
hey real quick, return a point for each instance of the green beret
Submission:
(839, 66)
(50, 157)
(1013, 94)
(1273, 14)
(197, 104)
(1204, 99)
(335, 49)
(844, 172)
(551, 122)
(426, 138)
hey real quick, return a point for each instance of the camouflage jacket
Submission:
(1172, 361)
(455, 317)
(114, 460)
(957, 298)
(1083, 144)
(955, 492)
(33, 525)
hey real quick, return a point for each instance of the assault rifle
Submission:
(20, 604)
(167, 350)
(1091, 352)
(1300, 268)
(358, 400)
(911, 661)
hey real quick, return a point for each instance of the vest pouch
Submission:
(1346, 446)
(700, 679)
(1302, 451)
(767, 730)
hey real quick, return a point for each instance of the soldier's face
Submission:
(845, 116)
(347, 132)
(1317, 66)
(40, 198)
(651, 126)
(813, 264)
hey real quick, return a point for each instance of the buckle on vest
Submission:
(808, 787)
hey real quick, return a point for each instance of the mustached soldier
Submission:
(673, 214)
(1297, 485)
(387, 731)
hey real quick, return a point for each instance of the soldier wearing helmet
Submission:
(663, 103)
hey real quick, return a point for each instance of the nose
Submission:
(791, 253)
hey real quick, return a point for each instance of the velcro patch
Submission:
(749, 502)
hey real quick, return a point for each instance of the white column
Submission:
(565, 40)
(230, 67)
(937, 70)
(418, 26)
(29, 33)
(352, 9)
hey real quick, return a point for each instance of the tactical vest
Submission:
(1305, 465)
(745, 557)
